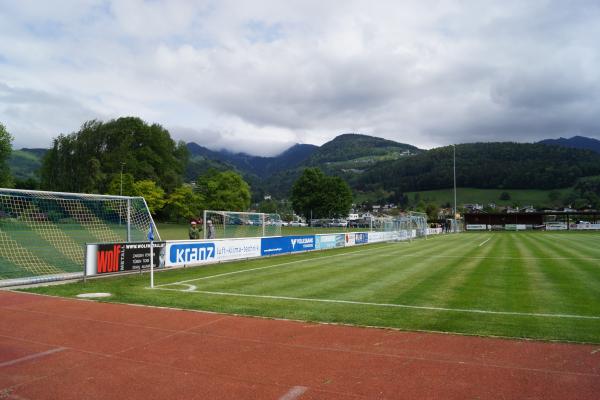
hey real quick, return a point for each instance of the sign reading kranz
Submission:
(286, 244)
(201, 252)
(190, 253)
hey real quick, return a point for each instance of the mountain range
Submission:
(370, 163)
(576, 142)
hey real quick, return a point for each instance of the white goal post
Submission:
(232, 224)
(43, 234)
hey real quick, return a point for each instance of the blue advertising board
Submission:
(188, 253)
(361, 238)
(286, 244)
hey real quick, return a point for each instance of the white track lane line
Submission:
(32, 357)
(294, 393)
(462, 310)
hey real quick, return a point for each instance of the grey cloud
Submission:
(35, 117)
(215, 140)
(258, 76)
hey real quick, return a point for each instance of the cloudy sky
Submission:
(258, 76)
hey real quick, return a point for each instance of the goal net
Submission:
(233, 224)
(43, 234)
(413, 224)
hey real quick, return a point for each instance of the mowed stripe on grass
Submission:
(534, 285)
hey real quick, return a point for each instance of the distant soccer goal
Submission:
(233, 224)
(413, 223)
(43, 234)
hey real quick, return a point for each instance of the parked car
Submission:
(338, 223)
(297, 223)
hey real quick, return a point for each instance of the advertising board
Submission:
(361, 238)
(376, 237)
(476, 227)
(585, 227)
(121, 257)
(329, 241)
(350, 239)
(200, 252)
(286, 244)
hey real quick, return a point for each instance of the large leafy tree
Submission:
(317, 195)
(184, 204)
(225, 190)
(153, 194)
(87, 160)
(5, 152)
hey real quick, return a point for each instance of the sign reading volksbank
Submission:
(286, 244)
(200, 252)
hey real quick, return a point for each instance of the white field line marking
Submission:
(268, 266)
(294, 393)
(485, 241)
(510, 258)
(32, 357)
(362, 303)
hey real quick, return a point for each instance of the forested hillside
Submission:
(360, 150)
(485, 165)
(25, 163)
(371, 165)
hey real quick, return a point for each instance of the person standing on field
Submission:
(210, 230)
(194, 232)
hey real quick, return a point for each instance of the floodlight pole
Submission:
(454, 172)
(122, 165)
(121, 193)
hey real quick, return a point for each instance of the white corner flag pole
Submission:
(151, 239)
(151, 264)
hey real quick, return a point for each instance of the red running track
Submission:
(54, 348)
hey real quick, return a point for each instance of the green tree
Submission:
(225, 190)
(154, 194)
(432, 211)
(319, 196)
(306, 197)
(268, 206)
(184, 204)
(588, 190)
(87, 160)
(127, 181)
(5, 152)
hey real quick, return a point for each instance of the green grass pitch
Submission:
(542, 285)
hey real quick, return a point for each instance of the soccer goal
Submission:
(233, 224)
(419, 223)
(43, 234)
(413, 224)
